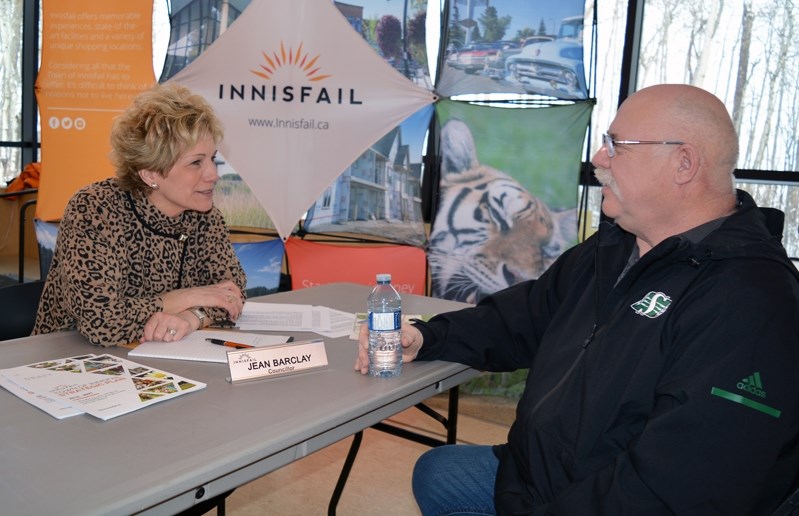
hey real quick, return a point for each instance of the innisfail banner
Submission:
(96, 56)
(301, 96)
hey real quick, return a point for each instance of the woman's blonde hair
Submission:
(161, 124)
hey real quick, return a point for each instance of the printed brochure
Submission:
(103, 386)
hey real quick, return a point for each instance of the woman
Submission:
(146, 255)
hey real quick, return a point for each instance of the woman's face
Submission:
(189, 185)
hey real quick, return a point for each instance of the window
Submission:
(743, 52)
(746, 54)
(11, 90)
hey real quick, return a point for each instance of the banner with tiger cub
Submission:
(508, 195)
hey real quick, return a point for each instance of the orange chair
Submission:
(315, 263)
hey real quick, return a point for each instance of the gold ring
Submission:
(172, 331)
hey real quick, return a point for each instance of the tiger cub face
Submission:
(489, 232)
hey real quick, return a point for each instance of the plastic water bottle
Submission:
(384, 308)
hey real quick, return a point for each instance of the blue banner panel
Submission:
(262, 263)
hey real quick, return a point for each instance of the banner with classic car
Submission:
(522, 47)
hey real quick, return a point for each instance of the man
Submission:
(663, 351)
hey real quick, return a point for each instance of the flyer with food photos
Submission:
(104, 386)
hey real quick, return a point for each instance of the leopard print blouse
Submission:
(116, 253)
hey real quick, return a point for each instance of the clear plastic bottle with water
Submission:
(384, 308)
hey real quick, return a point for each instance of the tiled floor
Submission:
(380, 481)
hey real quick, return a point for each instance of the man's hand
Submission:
(411, 340)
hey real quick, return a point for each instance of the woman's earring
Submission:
(154, 185)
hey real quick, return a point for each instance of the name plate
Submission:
(251, 363)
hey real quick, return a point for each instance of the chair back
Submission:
(315, 263)
(18, 304)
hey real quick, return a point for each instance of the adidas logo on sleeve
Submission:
(752, 385)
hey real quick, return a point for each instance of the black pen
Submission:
(228, 343)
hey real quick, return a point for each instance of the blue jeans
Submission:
(455, 479)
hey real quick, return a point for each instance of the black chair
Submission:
(18, 304)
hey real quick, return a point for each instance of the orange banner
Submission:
(96, 56)
(314, 263)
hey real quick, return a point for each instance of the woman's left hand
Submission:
(225, 295)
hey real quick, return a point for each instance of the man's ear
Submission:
(688, 161)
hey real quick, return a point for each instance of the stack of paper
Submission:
(293, 317)
(104, 386)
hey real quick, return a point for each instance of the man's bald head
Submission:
(692, 115)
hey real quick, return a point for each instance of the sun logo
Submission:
(299, 59)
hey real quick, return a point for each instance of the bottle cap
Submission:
(382, 278)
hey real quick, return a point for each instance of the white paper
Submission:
(284, 317)
(340, 324)
(195, 347)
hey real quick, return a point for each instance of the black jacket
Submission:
(674, 391)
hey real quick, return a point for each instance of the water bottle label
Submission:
(385, 321)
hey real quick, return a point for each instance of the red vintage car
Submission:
(473, 57)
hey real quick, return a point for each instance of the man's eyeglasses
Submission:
(610, 143)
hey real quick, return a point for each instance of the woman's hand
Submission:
(224, 294)
(411, 340)
(166, 327)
